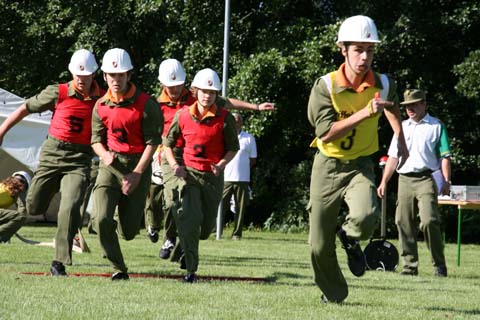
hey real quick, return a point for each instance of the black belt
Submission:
(62, 145)
(420, 174)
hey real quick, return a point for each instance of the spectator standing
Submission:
(237, 177)
(427, 142)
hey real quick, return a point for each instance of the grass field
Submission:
(281, 258)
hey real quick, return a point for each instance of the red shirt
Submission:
(124, 125)
(204, 140)
(169, 108)
(72, 118)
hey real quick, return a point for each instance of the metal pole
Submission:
(226, 37)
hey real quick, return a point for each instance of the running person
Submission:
(344, 112)
(210, 142)
(66, 154)
(173, 97)
(126, 130)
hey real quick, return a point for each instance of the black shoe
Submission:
(356, 258)
(183, 263)
(409, 272)
(190, 278)
(120, 276)
(152, 234)
(167, 248)
(57, 269)
(441, 271)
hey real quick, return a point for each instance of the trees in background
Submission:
(277, 50)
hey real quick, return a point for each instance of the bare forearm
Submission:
(341, 128)
(169, 156)
(15, 117)
(243, 105)
(226, 159)
(99, 149)
(389, 169)
(395, 120)
(446, 168)
(145, 159)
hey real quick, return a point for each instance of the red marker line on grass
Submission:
(160, 276)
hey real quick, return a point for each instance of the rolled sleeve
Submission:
(45, 100)
(99, 131)
(321, 113)
(152, 123)
(230, 135)
(173, 133)
(392, 93)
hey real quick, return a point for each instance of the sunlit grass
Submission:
(282, 259)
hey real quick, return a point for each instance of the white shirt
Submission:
(239, 168)
(423, 142)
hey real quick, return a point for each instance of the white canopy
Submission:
(21, 146)
(24, 140)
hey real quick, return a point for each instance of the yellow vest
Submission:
(363, 139)
(5, 199)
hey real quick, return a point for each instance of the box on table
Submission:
(465, 193)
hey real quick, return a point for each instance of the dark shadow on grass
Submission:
(473, 312)
(41, 223)
(466, 276)
(247, 238)
(289, 275)
(252, 261)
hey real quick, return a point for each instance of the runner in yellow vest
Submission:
(344, 109)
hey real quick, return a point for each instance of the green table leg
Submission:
(459, 235)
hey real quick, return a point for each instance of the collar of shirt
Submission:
(121, 98)
(209, 113)
(343, 83)
(165, 98)
(93, 94)
(427, 119)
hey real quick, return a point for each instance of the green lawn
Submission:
(281, 258)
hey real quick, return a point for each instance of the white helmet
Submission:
(207, 79)
(171, 73)
(82, 63)
(24, 175)
(116, 61)
(357, 29)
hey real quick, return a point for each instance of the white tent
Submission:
(20, 149)
(24, 140)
